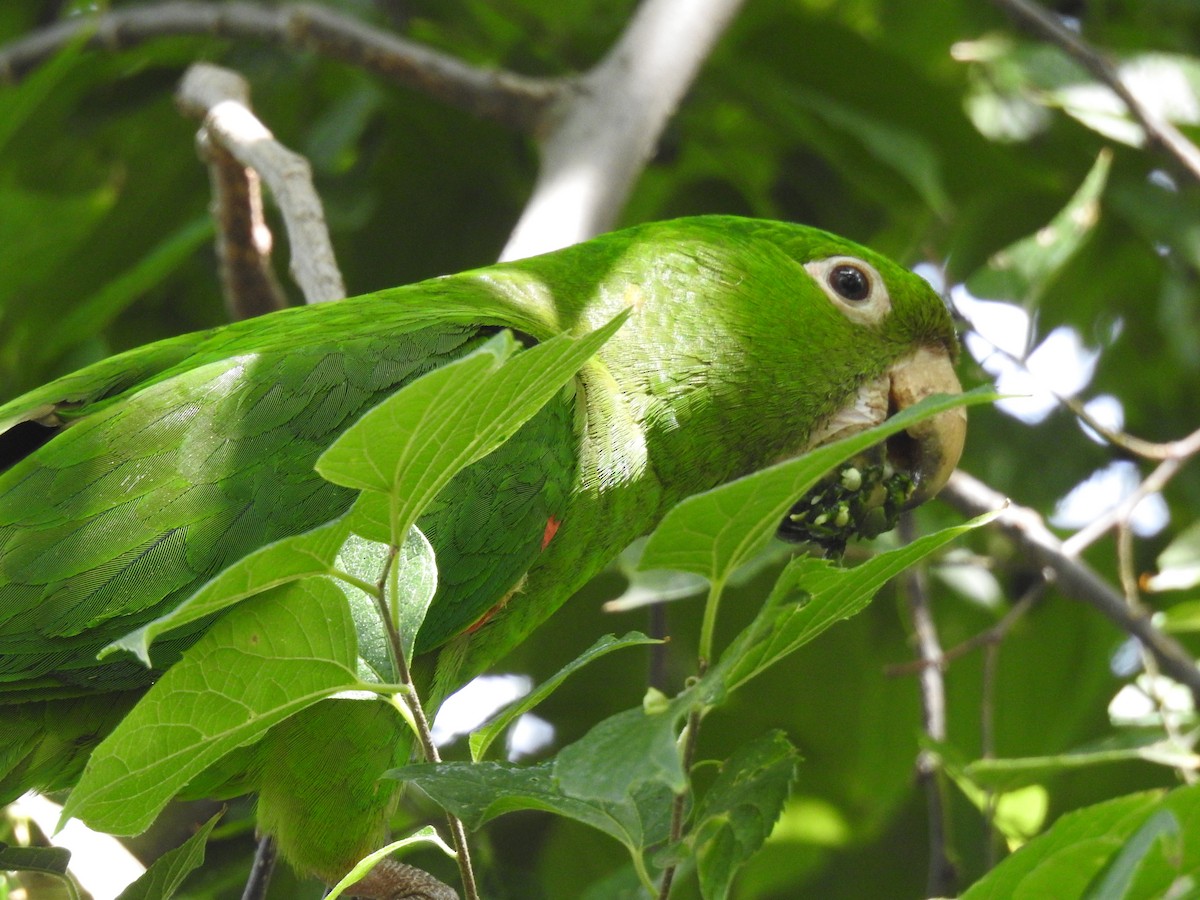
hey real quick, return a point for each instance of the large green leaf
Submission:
(263, 661)
(1138, 846)
(413, 443)
(713, 533)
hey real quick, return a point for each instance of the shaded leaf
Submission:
(50, 860)
(1022, 271)
(479, 792)
(812, 594)
(167, 873)
(482, 738)
(263, 661)
(413, 443)
(740, 808)
(1140, 845)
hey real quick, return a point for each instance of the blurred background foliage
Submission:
(936, 132)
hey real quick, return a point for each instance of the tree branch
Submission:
(606, 128)
(941, 876)
(220, 98)
(243, 239)
(1075, 579)
(493, 94)
(1159, 132)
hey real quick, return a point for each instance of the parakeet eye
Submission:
(855, 287)
(850, 282)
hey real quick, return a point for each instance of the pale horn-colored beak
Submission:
(929, 450)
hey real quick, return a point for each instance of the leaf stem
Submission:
(709, 625)
(691, 730)
(411, 699)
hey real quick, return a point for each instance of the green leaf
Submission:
(740, 808)
(479, 792)
(1141, 845)
(1063, 862)
(167, 873)
(1178, 564)
(20, 102)
(482, 738)
(258, 664)
(713, 533)
(426, 835)
(413, 443)
(1023, 271)
(1159, 836)
(623, 752)
(813, 594)
(1010, 774)
(415, 583)
(49, 860)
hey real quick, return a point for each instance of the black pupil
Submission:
(850, 282)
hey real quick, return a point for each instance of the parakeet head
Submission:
(767, 339)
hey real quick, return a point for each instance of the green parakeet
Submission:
(126, 486)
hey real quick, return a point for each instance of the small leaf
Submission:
(646, 587)
(415, 584)
(479, 792)
(1024, 270)
(49, 860)
(713, 533)
(261, 662)
(811, 595)
(1178, 564)
(426, 835)
(482, 739)
(623, 752)
(167, 873)
(740, 808)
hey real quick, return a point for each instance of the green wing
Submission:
(149, 473)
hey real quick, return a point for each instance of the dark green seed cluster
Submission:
(862, 498)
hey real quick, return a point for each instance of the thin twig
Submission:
(1180, 452)
(987, 638)
(1159, 132)
(691, 736)
(1074, 578)
(497, 95)
(1131, 444)
(261, 869)
(987, 747)
(1129, 584)
(1136, 446)
(220, 98)
(941, 876)
(243, 239)
(412, 701)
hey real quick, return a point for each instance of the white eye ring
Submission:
(854, 286)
